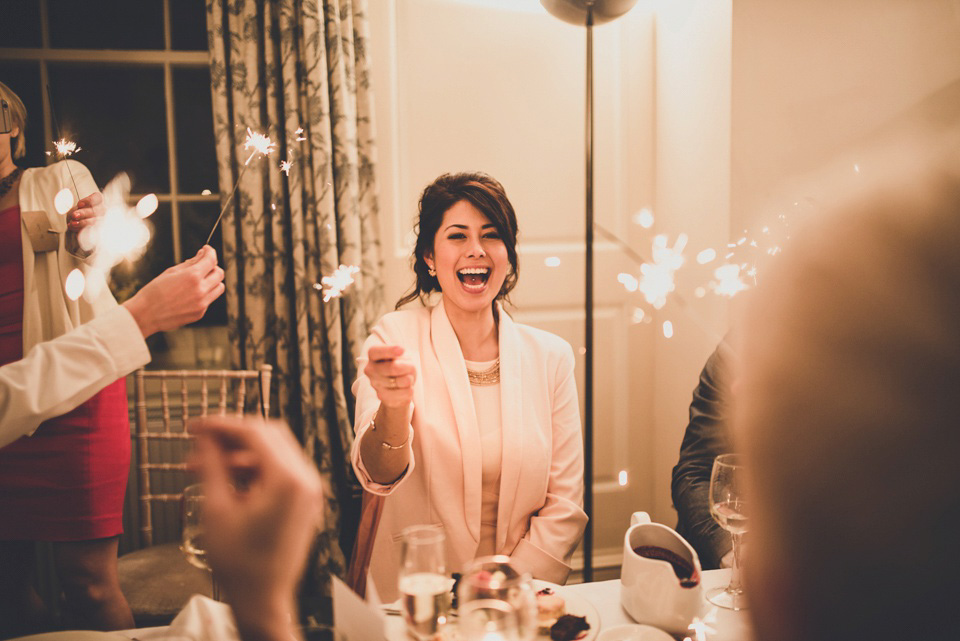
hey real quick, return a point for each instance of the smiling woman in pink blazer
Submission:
(465, 418)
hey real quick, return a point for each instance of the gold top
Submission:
(489, 376)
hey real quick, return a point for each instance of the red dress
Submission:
(67, 481)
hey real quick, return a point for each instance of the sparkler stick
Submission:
(261, 145)
(62, 145)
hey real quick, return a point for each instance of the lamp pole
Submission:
(588, 13)
(588, 316)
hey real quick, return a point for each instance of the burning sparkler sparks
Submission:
(147, 205)
(728, 282)
(337, 282)
(64, 148)
(701, 627)
(74, 284)
(644, 218)
(63, 201)
(120, 234)
(657, 278)
(261, 145)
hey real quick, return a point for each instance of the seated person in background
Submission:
(263, 508)
(847, 414)
(706, 437)
(464, 417)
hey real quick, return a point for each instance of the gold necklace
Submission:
(489, 376)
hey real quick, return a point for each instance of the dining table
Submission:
(211, 621)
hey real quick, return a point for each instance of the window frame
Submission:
(167, 58)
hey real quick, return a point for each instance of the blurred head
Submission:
(466, 224)
(848, 414)
(18, 115)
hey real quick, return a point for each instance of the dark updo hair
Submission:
(483, 192)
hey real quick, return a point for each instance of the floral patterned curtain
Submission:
(296, 71)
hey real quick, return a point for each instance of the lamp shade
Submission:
(575, 11)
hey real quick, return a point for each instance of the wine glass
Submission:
(424, 584)
(495, 601)
(728, 508)
(192, 544)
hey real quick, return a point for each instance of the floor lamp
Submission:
(588, 13)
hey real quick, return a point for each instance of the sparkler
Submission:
(120, 234)
(701, 627)
(728, 282)
(337, 282)
(63, 146)
(261, 145)
(657, 278)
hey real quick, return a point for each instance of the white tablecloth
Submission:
(206, 620)
(605, 596)
(727, 625)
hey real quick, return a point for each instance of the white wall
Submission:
(816, 78)
(704, 107)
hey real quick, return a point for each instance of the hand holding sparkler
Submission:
(179, 295)
(86, 212)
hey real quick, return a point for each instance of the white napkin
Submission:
(355, 619)
(202, 619)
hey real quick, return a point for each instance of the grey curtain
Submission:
(297, 72)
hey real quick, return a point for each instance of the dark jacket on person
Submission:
(705, 438)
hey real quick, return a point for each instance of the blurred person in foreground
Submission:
(847, 414)
(263, 507)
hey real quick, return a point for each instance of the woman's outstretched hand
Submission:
(390, 376)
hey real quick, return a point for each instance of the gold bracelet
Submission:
(384, 444)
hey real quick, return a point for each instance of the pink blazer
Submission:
(540, 519)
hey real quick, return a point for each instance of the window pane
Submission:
(23, 79)
(196, 149)
(128, 277)
(20, 23)
(188, 25)
(106, 24)
(196, 220)
(117, 116)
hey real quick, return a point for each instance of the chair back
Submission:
(161, 423)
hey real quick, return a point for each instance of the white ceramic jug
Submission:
(650, 590)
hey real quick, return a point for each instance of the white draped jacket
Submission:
(540, 519)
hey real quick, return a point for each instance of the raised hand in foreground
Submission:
(179, 295)
(263, 508)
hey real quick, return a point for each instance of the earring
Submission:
(432, 271)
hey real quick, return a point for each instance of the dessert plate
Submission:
(577, 606)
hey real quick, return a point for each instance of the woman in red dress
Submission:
(66, 482)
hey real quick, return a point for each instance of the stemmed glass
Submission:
(495, 601)
(423, 582)
(727, 506)
(192, 544)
